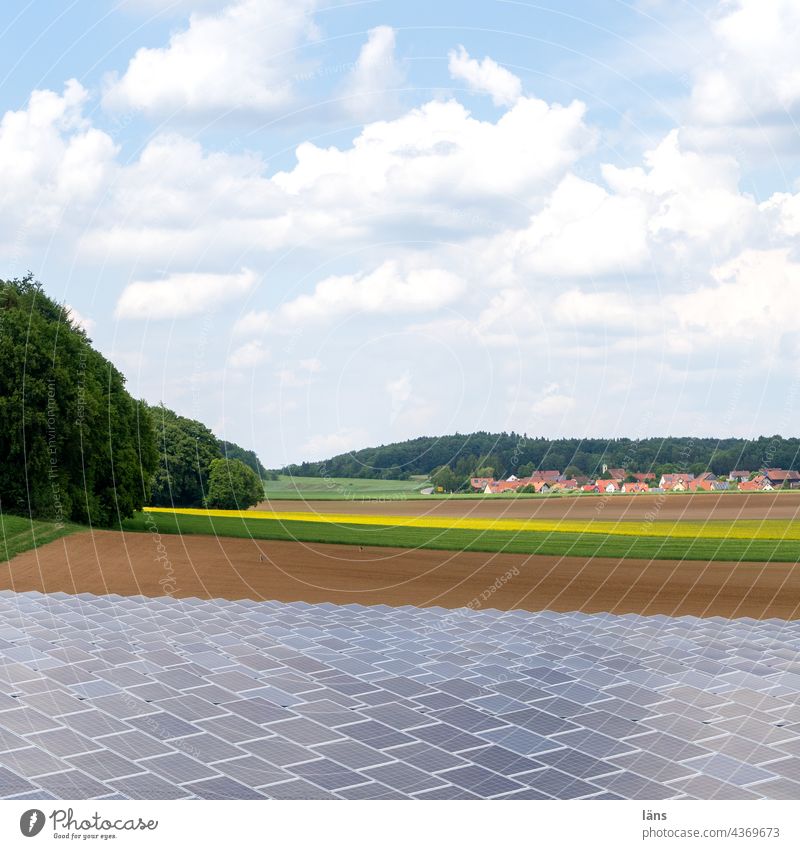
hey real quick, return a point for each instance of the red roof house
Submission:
(678, 481)
(782, 477)
(480, 483)
(635, 487)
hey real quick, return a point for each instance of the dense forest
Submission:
(76, 446)
(501, 454)
(235, 452)
(187, 451)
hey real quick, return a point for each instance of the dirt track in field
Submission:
(207, 567)
(668, 506)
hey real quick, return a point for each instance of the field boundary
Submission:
(765, 529)
(558, 543)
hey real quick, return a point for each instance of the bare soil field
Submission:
(667, 506)
(206, 567)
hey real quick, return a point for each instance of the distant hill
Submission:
(504, 453)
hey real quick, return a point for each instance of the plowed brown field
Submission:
(207, 567)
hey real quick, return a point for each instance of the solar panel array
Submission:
(113, 697)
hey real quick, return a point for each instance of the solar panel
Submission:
(72, 784)
(30, 762)
(653, 766)
(469, 719)
(397, 716)
(576, 763)
(9, 741)
(223, 788)
(94, 723)
(252, 771)
(304, 731)
(163, 698)
(178, 767)
(281, 752)
(479, 780)
(104, 764)
(148, 786)
(25, 720)
(520, 740)
(377, 734)
(426, 758)
(448, 792)
(328, 774)
(404, 777)
(780, 788)
(297, 789)
(371, 790)
(730, 770)
(353, 754)
(560, 785)
(207, 748)
(162, 725)
(632, 786)
(131, 744)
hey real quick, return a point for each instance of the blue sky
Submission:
(317, 227)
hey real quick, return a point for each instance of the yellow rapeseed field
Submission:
(776, 529)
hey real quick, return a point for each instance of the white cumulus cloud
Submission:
(368, 88)
(82, 321)
(755, 295)
(51, 160)
(250, 354)
(182, 295)
(236, 59)
(388, 289)
(485, 77)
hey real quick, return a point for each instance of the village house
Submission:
(494, 487)
(677, 482)
(778, 478)
(551, 480)
(564, 486)
(636, 487)
(705, 484)
(547, 475)
(539, 482)
(479, 483)
(758, 484)
(751, 486)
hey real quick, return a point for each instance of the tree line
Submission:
(76, 446)
(501, 454)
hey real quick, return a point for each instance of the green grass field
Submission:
(288, 488)
(18, 534)
(512, 542)
(343, 489)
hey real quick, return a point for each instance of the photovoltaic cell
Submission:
(167, 698)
